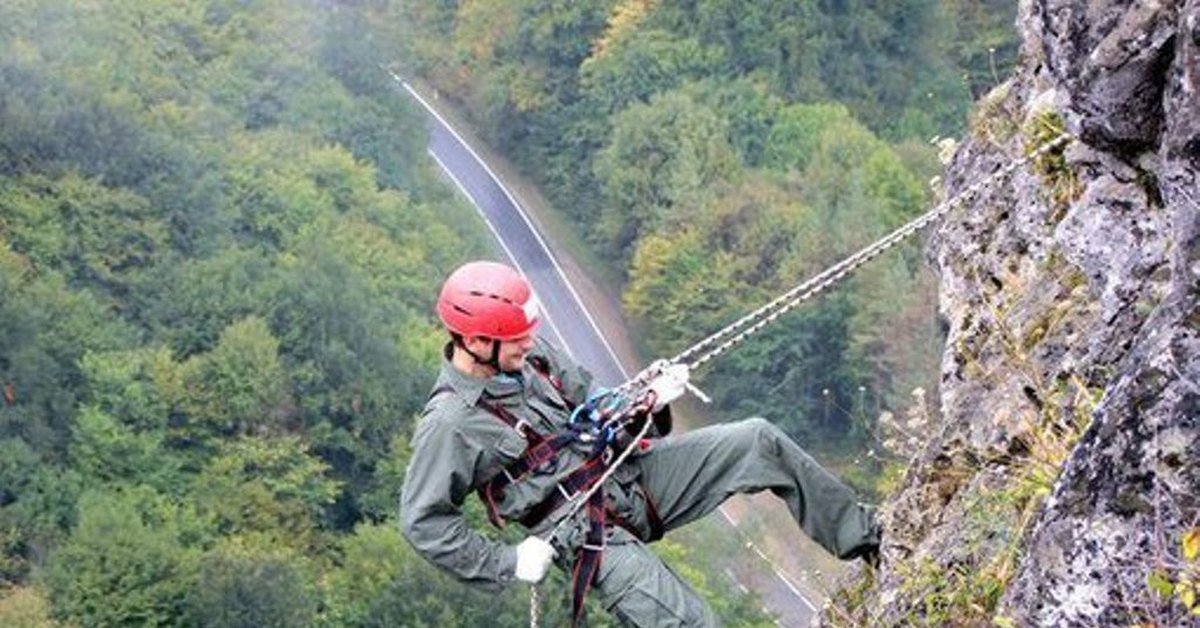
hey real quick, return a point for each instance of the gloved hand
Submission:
(533, 559)
(669, 385)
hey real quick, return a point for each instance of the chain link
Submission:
(534, 606)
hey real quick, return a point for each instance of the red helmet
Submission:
(489, 300)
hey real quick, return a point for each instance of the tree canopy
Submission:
(718, 152)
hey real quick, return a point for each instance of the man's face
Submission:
(513, 352)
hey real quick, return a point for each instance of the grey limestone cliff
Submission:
(1064, 466)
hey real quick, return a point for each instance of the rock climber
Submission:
(501, 422)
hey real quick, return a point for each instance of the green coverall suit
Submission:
(459, 445)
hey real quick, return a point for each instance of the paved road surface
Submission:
(570, 325)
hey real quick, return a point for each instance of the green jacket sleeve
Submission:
(436, 483)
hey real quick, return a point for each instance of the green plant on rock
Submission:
(1059, 179)
(993, 119)
(1177, 584)
(954, 595)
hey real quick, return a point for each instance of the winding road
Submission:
(571, 326)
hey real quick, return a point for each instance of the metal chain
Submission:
(534, 606)
(784, 303)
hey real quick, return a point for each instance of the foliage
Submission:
(121, 565)
(984, 44)
(25, 607)
(219, 245)
(383, 582)
(250, 587)
(1181, 586)
(664, 158)
(37, 506)
(1059, 178)
(796, 133)
(96, 234)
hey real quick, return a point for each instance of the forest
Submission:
(716, 153)
(220, 242)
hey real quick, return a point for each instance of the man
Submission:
(500, 422)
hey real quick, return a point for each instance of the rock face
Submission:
(1065, 465)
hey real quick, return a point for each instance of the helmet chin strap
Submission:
(493, 361)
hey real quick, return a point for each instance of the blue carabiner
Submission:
(591, 407)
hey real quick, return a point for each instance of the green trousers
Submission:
(687, 477)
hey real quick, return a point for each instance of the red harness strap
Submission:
(587, 564)
(539, 451)
(542, 450)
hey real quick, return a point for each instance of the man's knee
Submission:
(760, 434)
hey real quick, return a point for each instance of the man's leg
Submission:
(688, 476)
(640, 590)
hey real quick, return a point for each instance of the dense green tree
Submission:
(676, 287)
(98, 234)
(218, 254)
(860, 188)
(47, 329)
(984, 42)
(119, 567)
(664, 158)
(271, 490)
(893, 332)
(883, 59)
(650, 62)
(383, 582)
(798, 374)
(104, 450)
(37, 507)
(246, 587)
(796, 134)
(240, 387)
(748, 108)
(188, 303)
(781, 39)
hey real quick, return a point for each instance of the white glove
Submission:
(669, 385)
(533, 559)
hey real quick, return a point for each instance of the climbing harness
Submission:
(599, 423)
(618, 407)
